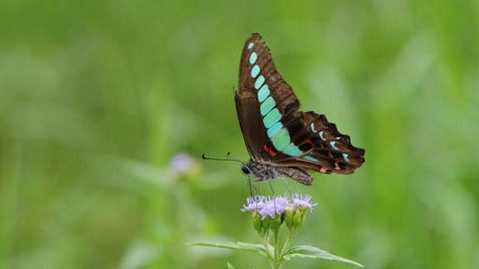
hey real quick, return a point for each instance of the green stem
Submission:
(266, 245)
(277, 250)
(286, 242)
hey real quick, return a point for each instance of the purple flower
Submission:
(181, 163)
(303, 201)
(254, 204)
(272, 206)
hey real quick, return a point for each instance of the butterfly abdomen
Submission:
(265, 171)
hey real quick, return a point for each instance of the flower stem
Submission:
(286, 242)
(277, 250)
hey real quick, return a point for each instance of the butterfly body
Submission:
(263, 171)
(281, 139)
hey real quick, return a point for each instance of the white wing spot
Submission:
(321, 134)
(312, 128)
(333, 144)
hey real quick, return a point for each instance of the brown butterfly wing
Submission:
(251, 125)
(283, 94)
(327, 150)
(247, 104)
(315, 143)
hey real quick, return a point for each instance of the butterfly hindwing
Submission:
(274, 129)
(327, 149)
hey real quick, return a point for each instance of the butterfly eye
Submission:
(245, 170)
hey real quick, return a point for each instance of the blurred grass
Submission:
(97, 96)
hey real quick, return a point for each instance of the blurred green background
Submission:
(97, 97)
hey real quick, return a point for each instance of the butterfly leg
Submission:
(272, 193)
(271, 187)
(288, 189)
(251, 194)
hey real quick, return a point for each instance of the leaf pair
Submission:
(300, 251)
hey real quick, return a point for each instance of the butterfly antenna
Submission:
(227, 159)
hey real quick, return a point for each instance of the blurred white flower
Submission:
(182, 164)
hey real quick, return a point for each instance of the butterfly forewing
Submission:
(257, 62)
(275, 130)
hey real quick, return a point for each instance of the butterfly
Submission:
(282, 140)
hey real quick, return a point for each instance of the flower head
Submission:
(253, 204)
(303, 201)
(273, 207)
(182, 165)
(266, 206)
(269, 212)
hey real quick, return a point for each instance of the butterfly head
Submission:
(245, 169)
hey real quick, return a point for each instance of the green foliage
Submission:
(268, 251)
(265, 251)
(96, 97)
(311, 252)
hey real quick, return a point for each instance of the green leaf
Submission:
(229, 265)
(305, 251)
(257, 248)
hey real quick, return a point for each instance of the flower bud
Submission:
(259, 224)
(289, 218)
(275, 223)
